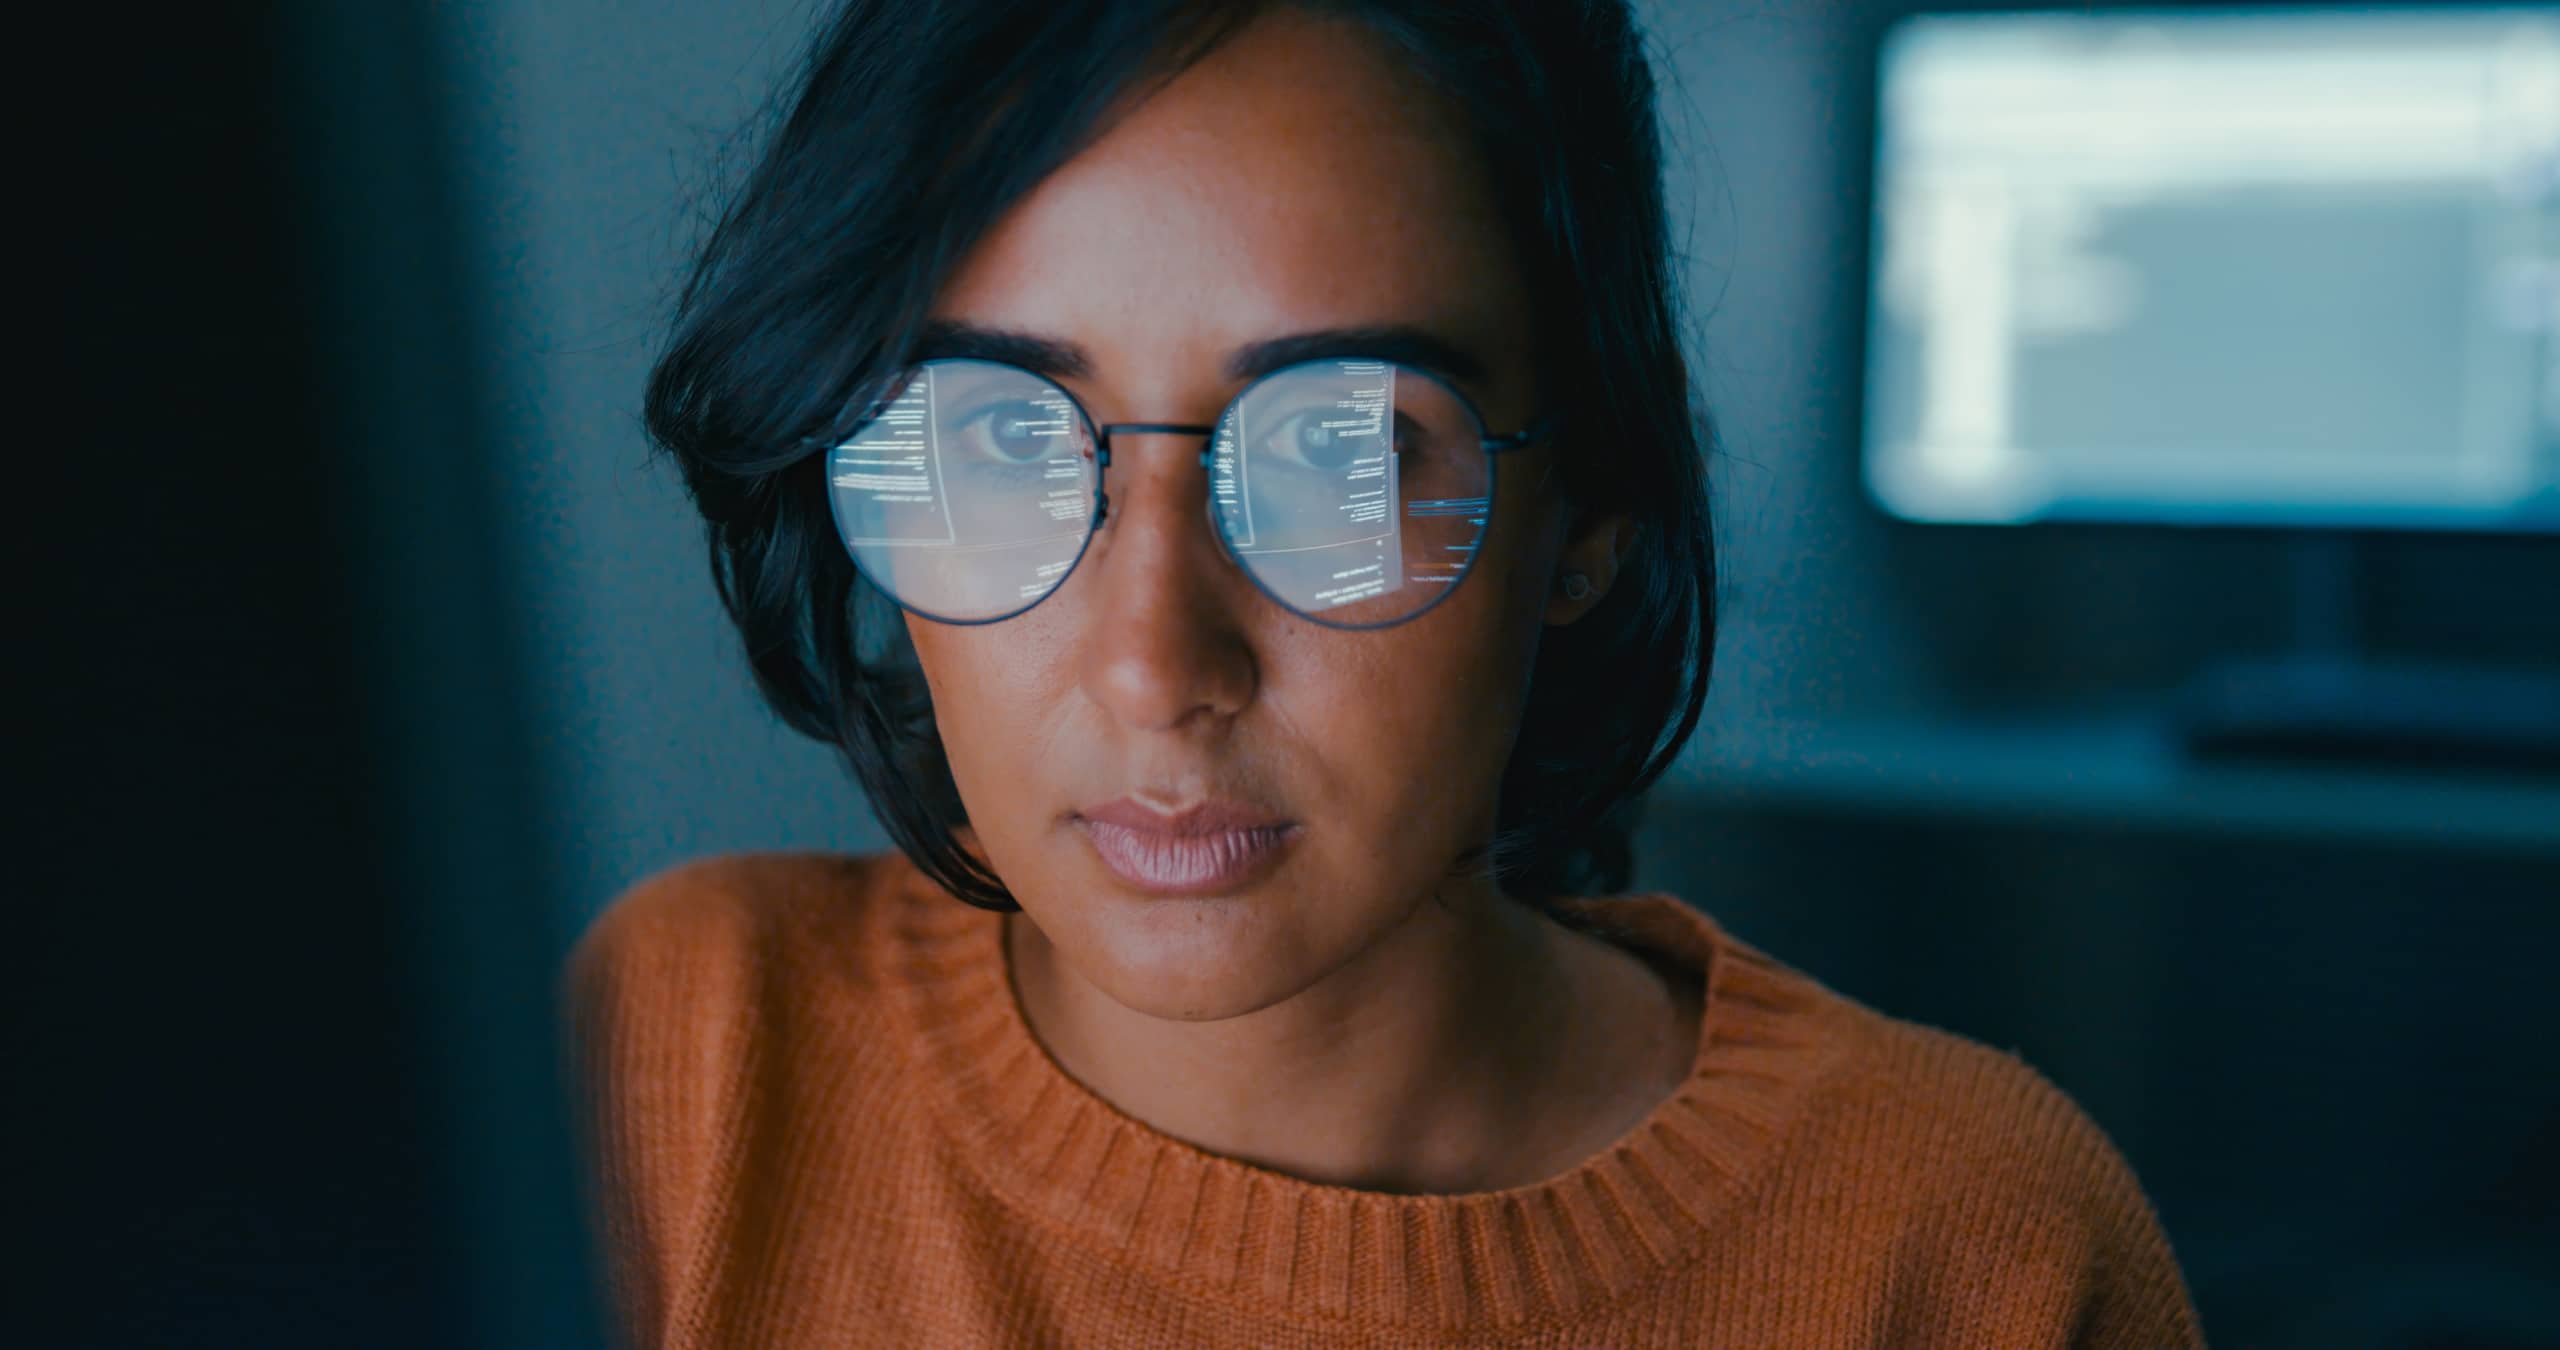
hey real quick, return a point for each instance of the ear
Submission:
(1595, 546)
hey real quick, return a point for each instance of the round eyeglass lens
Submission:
(1354, 492)
(969, 494)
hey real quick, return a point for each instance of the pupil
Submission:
(1017, 431)
(1320, 447)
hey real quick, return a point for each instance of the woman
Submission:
(1225, 477)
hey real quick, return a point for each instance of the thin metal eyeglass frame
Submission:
(1494, 446)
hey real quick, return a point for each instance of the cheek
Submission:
(987, 683)
(1412, 725)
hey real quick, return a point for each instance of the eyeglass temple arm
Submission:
(1526, 436)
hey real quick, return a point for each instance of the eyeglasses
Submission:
(1354, 492)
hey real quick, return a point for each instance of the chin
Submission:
(1191, 960)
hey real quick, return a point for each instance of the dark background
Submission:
(280, 1047)
(371, 657)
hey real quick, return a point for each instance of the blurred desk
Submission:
(2119, 772)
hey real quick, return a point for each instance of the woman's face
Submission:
(1295, 180)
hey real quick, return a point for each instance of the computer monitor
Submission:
(2270, 267)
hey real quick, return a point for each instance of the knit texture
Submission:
(814, 1115)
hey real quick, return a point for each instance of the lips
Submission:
(1210, 848)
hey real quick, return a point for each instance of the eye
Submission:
(1015, 430)
(1323, 436)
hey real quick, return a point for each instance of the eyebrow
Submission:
(1404, 344)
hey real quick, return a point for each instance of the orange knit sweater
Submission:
(814, 1115)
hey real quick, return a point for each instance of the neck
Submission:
(1476, 1045)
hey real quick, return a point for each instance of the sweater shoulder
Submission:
(1974, 1100)
(2000, 1176)
(670, 1000)
(730, 914)
(686, 968)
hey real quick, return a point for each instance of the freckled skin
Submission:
(1296, 179)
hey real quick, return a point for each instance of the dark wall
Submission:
(220, 1089)
(235, 1015)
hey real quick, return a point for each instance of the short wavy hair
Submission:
(906, 130)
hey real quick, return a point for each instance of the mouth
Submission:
(1212, 848)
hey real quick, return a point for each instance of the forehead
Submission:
(1299, 176)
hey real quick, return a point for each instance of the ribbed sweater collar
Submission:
(1317, 1253)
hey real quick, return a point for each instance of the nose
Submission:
(1164, 648)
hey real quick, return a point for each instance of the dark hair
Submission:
(810, 289)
